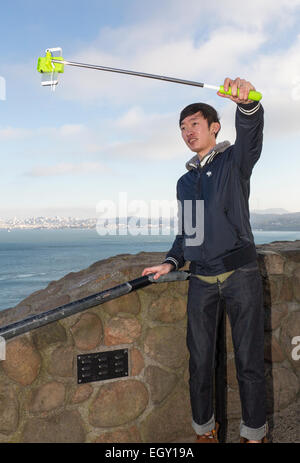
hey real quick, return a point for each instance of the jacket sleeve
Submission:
(175, 255)
(249, 122)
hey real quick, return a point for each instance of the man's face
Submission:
(196, 134)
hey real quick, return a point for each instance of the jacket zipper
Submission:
(200, 170)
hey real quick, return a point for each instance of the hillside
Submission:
(275, 222)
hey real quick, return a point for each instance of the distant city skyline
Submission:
(85, 217)
(269, 220)
(89, 213)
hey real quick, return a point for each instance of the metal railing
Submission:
(35, 321)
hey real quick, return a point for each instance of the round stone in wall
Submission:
(166, 345)
(67, 427)
(87, 331)
(22, 363)
(118, 403)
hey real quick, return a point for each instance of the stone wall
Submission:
(41, 401)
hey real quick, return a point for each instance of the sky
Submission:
(100, 134)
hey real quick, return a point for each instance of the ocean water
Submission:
(30, 259)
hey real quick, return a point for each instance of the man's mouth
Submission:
(192, 140)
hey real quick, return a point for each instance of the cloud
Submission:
(258, 14)
(172, 18)
(144, 136)
(64, 131)
(278, 76)
(68, 169)
(133, 119)
(15, 133)
(71, 130)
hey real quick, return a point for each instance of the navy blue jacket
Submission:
(223, 185)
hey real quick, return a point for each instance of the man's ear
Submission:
(215, 127)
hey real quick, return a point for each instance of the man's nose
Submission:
(189, 132)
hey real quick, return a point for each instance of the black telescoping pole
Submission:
(133, 73)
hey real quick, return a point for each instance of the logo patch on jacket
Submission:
(208, 173)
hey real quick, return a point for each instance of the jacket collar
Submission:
(195, 162)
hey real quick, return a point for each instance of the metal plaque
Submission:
(102, 365)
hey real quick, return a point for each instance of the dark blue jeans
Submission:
(243, 295)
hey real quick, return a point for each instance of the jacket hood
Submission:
(194, 162)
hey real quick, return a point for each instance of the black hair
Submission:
(208, 112)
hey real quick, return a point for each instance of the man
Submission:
(225, 263)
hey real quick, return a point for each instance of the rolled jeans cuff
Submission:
(253, 433)
(203, 428)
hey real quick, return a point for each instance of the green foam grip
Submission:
(253, 95)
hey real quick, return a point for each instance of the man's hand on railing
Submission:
(159, 270)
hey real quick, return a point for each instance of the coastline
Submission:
(32, 258)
